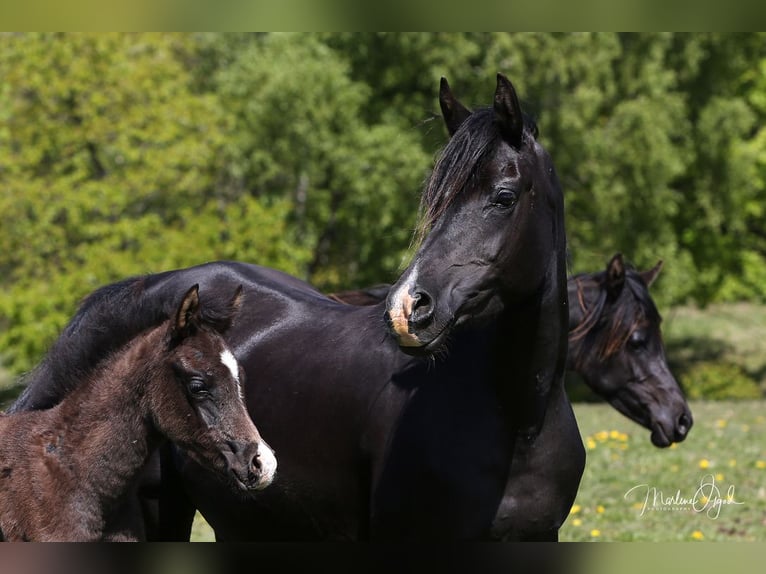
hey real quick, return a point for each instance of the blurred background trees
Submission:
(123, 154)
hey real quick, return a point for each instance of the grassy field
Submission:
(732, 332)
(726, 447)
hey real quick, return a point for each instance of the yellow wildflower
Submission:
(577, 522)
(674, 445)
(614, 434)
(600, 509)
(590, 443)
(760, 464)
(575, 509)
(732, 463)
(595, 533)
(719, 476)
(697, 535)
(704, 463)
(601, 436)
(721, 423)
(703, 499)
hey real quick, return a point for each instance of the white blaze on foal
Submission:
(229, 361)
(266, 458)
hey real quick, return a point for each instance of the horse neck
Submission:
(511, 348)
(108, 421)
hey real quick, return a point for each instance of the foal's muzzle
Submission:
(252, 465)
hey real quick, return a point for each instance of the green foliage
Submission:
(719, 381)
(133, 153)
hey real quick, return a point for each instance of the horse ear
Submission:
(508, 111)
(234, 307)
(615, 275)
(651, 274)
(453, 112)
(187, 314)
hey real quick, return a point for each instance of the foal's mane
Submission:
(105, 321)
(616, 318)
(459, 161)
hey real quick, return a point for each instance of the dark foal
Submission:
(615, 345)
(63, 470)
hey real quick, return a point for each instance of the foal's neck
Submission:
(105, 427)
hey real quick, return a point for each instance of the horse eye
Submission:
(505, 198)
(637, 340)
(198, 388)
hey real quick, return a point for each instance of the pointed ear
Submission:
(234, 307)
(453, 112)
(508, 111)
(651, 274)
(187, 315)
(615, 275)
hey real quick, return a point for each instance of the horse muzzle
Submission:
(253, 466)
(411, 319)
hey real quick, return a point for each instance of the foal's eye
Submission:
(198, 389)
(505, 198)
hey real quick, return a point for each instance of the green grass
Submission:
(726, 441)
(734, 333)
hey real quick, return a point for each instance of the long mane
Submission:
(459, 161)
(105, 321)
(607, 324)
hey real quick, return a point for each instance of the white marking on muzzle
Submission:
(401, 310)
(268, 464)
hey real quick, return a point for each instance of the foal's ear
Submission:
(651, 274)
(453, 112)
(187, 315)
(615, 275)
(508, 111)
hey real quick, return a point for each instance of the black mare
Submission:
(615, 345)
(467, 435)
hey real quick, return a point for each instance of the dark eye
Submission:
(198, 389)
(637, 340)
(505, 198)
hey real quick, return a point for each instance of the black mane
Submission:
(459, 160)
(105, 321)
(608, 323)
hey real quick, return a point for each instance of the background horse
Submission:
(64, 469)
(468, 435)
(615, 345)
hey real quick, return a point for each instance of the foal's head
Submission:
(198, 403)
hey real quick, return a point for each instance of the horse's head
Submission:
(201, 406)
(615, 344)
(493, 210)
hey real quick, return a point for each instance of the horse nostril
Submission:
(684, 423)
(422, 308)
